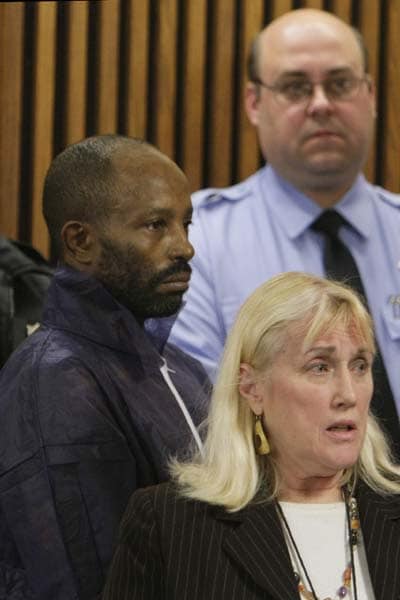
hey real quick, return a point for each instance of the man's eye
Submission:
(156, 225)
(339, 85)
(295, 89)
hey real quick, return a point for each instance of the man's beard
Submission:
(125, 274)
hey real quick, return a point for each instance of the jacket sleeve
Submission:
(33, 557)
(13, 581)
(136, 571)
(66, 475)
(199, 329)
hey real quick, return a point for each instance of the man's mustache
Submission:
(181, 266)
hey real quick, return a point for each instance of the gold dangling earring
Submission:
(260, 439)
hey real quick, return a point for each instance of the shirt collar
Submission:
(355, 206)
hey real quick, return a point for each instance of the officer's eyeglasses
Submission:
(301, 91)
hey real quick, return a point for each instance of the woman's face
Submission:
(315, 404)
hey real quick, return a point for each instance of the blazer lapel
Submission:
(380, 524)
(257, 545)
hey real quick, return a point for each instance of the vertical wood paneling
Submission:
(76, 71)
(248, 155)
(279, 7)
(219, 134)
(343, 9)
(193, 95)
(11, 51)
(43, 102)
(370, 26)
(172, 71)
(108, 66)
(391, 100)
(313, 4)
(165, 53)
(137, 67)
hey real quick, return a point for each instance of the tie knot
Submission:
(328, 222)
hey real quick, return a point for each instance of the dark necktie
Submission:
(340, 265)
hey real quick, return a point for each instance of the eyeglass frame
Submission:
(276, 89)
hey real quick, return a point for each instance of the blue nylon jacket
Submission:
(85, 418)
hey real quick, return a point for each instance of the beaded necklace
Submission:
(349, 574)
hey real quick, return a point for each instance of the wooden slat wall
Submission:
(244, 136)
(370, 24)
(164, 75)
(390, 148)
(43, 94)
(106, 66)
(74, 50)
(172, 71)
(220, 95)
(137, 39)
(191, 97)
(11, 53)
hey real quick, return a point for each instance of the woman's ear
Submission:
(250, 388)
(79, 244)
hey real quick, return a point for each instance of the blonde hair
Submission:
(229, 473)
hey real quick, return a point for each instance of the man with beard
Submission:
(312, 101)
(94, 404)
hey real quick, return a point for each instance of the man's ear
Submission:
(251, 102)
(372, 92)
(250, 388)
(80, 243)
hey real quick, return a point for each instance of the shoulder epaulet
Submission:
(389, 197)
(210, 196)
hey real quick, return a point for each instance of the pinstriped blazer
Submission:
(175, 549)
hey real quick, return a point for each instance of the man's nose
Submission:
(319, 100)
(180, 245)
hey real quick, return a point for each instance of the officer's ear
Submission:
(371, 88)
(80, 244)
(251, 102)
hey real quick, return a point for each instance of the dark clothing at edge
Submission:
(86, 418)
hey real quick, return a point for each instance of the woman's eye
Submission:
(362, 365)
(320, 368)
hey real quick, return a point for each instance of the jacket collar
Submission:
(255, 542)
(78, 303)
(356, 206)
(380, 523)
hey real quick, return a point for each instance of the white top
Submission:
(321, 535)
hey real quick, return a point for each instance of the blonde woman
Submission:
(295, 494)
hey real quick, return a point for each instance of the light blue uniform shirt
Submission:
(245, 234)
